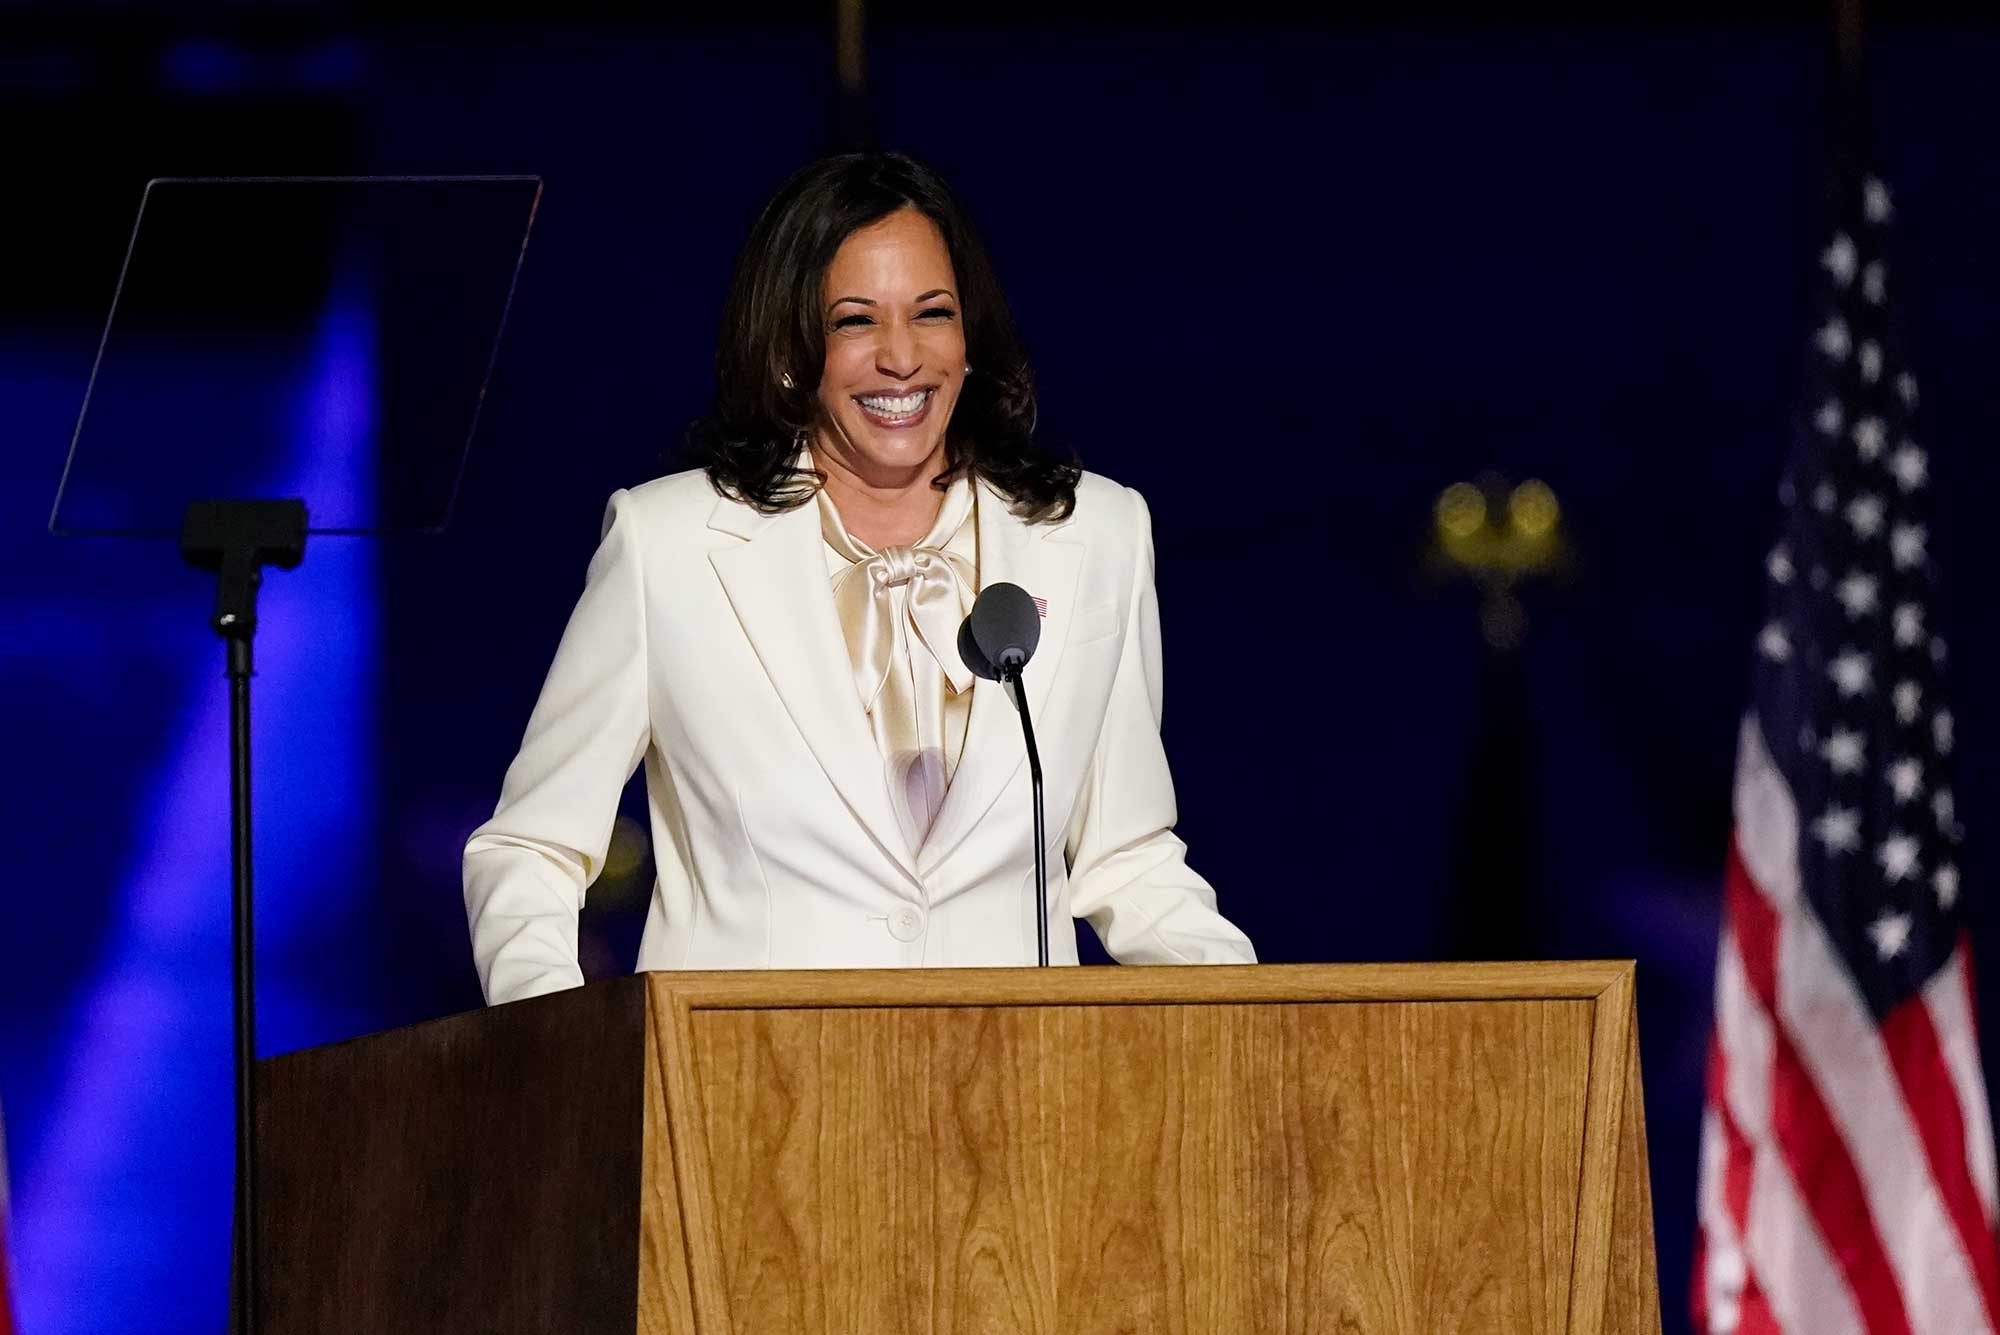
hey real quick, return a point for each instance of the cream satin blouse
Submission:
(900, 610)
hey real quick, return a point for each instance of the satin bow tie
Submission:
(899, 611)
(935, 594)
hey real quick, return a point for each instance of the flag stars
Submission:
(1869, 360)
(1870, 437)
(1839, 828)
(1857, 594)
(1891, 934)
(1910, 467)
(1875, 205)
(1884, 832)
(1864, 515)
(1874, 283)
(1906, 545)
(1898, 857)
(1851, 673)
(1845, 751)
(1906, 779)
(1909, 623)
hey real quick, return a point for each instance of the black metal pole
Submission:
(1041, 840)
(236, 540)
(243, 1296)
(854, 125)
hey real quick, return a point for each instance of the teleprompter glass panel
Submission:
(329, 338)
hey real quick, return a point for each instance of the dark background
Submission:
(1289, 281)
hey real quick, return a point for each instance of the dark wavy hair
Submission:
(772, 324)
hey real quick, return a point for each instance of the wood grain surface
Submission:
(1611, 1027)
(1274, 1166)
(665, 1293)
(1162, 1151)
(476, 1175)
(1116, 985)
(1632, 1302)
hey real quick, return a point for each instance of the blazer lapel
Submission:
(1046, 560)
(777, 583)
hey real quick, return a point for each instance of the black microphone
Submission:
(996, 640)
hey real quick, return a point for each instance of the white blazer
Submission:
(707, 644)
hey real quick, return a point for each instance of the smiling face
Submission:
(895, 353)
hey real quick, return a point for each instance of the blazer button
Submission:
(906, 924)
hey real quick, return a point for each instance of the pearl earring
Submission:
(785, 379)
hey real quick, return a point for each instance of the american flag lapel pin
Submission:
(1041, 607)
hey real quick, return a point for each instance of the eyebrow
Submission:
(864, 301)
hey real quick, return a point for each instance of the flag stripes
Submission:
(1821, 1123)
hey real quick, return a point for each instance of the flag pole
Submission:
(854, 125)
(1847, 41)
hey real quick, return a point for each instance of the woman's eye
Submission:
(945, 311)
(847, 320)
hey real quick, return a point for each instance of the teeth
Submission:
(900, 405)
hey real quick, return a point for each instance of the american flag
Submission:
(1847, 1161)
(6, 1305)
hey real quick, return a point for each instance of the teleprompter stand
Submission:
(331, 340)
(236, 540)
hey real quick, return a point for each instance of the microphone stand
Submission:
(1041, 842)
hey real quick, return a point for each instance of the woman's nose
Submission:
(896, 355)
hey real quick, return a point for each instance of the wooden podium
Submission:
(1187, 1151)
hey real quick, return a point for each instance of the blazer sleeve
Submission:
(1128, 870)
(526, 869)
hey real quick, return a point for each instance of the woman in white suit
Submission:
(774, 636)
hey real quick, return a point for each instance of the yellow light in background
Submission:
(1532, 509)
(1461, 510)
(626, 850)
